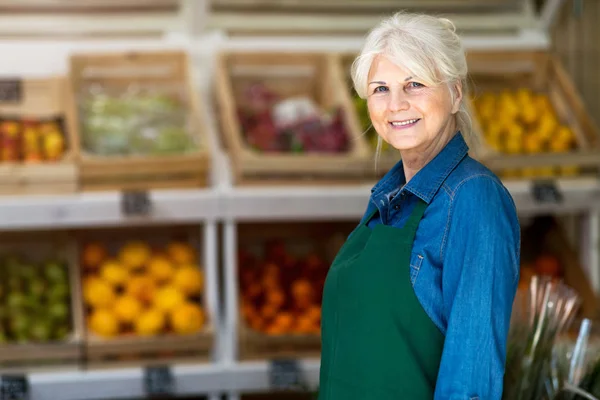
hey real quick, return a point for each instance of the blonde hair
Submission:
(428, 47)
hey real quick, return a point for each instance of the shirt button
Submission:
(397, 207)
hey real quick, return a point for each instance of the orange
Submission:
(161, 269)
(98, 293)
(151, 322)
(284, 321)
(302, 288)
(168, 298)
(314, 313)
(104, 323)
(141, 287)
(127, 308)
(305, 324)
(189, 279)
(268, 311)
(186, 319)
(93, 254)
(547, 265)
(114, 273)
(135, 254)
(181, 253)
(276, 297)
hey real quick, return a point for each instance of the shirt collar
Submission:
(429, 179)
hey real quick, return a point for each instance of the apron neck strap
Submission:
(416, 215)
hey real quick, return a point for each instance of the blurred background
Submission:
(177, 175)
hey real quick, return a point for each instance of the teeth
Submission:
(410, 121)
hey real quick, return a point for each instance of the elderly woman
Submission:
(418, 301)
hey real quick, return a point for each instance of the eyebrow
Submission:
(383, 82)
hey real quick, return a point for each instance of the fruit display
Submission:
(35, 300)
(134, 122)
(142, 290)
(522, 121)
(31, 140)
(280, 292)
(271, 124)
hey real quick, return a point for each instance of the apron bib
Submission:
(377, 341)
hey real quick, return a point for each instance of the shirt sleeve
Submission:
(480, 276)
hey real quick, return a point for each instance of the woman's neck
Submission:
(413, 160)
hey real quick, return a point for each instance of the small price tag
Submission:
(136, 203)
(158, 381)
(286, 375)
(10, 90)
(546, 192)
(14, 387)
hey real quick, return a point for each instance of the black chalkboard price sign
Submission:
(136, 203)
(11, 90)
(14, 387)
(159, 381)
(286, 375)
(547, 192)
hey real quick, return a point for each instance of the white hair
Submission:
(428, 47)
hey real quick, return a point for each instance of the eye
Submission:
(414, 85)
(380, 89)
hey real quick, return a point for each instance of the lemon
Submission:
(181, 253)
(98, 293)
(114, 273)
(168, 298)
(189, 279)
(161, 269)
(142, 287)
(104, 323)
(135, 254)
(186, 319)
(151, 322)
(127, 308)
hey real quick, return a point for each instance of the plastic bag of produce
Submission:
(135, 121)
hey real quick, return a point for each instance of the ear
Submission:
(458, 94)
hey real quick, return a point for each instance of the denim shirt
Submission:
(464, 264)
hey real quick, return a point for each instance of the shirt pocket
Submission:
(416, 260)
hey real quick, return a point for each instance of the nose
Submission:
(398, 101)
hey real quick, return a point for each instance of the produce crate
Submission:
(532, 121)
(39, 270)
(265, 83)
(25, 166)
(137, 293)
(139, 120)
(547, 250)
(282, 269)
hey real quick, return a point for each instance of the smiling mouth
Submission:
(405, 123)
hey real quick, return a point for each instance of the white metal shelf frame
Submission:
(231, 205)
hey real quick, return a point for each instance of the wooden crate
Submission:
(315, 75)
(130, 349)
(48, 356)
(168, 72)
(547, 235)
(300, 239)
(42, 98)
(542, 73)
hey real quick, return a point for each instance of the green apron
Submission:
(377, 341)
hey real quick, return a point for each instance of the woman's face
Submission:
(406, 113)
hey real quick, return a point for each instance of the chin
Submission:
(405, 143)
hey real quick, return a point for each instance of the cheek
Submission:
(377, 109)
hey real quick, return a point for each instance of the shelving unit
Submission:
(223, 203)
